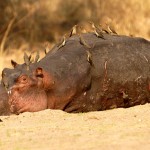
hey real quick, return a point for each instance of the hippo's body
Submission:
(111, 73)
(4, 107)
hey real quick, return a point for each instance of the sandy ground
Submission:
(118, 129)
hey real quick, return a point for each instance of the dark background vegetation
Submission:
(39, 21)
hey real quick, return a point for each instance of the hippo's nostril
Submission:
(5, 83)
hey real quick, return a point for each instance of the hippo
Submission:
(86, 73)
(4, 106)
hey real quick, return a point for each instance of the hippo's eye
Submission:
(23, 79)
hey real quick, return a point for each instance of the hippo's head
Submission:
(25, 89)
(9, 76)
(27, 94)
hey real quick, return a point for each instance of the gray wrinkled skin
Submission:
(118, 77)
(4, 106)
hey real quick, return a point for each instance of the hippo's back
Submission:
(120, 74)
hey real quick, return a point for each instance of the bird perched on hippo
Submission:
(110, 72)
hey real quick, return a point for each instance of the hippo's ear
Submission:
(39, 72)
(13, 63)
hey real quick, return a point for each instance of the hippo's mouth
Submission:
(31, 100)
(9, 91)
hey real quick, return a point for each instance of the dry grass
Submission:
(38, 22)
